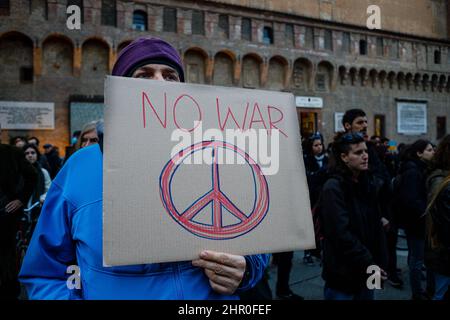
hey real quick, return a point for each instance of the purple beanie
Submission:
(144, 51)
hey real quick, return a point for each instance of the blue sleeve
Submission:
(51, 251)
(256, 266)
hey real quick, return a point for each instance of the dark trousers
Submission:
(391, 239)
(284, 264)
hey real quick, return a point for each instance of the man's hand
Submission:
(13, 206)
(224, 271)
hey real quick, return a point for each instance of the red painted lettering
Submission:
(272, 123)
(175, 114)
(230, 113)
(256, 107)
(145, 97)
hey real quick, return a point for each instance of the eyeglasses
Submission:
(91, 140)
(30, 152)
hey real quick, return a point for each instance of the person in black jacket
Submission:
(54, 161)
(412, 202)
(355, 121)
(316, 163)
(437, 253)
(17, 180)
(354, 239)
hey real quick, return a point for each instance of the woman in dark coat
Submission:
(354, 244)
(17, 179)
(412, 202)
(316, 163)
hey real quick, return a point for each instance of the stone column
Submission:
(264, 72)
(112, 58)
(288, 74)
(77, 60)
(37, 60)
(237, 71)
(209, 69)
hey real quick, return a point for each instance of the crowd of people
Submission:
(361, 190)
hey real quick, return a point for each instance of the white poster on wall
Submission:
(338, 127)
(411, 117)
(25, 115)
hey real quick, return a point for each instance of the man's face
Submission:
(357, 158)
(89, 138)
(33, 142)
(359, 124)
(157, 72)
(20, 143)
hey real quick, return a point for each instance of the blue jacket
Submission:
(69, 232)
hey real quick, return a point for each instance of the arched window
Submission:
(289, 35)
(198, 22)
(267, 35)
(139, 20)
(328, 40)
(4, 7)
(224, 26)
(363, 47)
(437, 57)
(346, 42)
(170, 20)
(109, 12)
(246, 29)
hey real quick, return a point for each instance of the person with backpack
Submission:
(350, 219)
(437, 252)
(410, 202)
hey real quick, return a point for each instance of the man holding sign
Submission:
(69, 231)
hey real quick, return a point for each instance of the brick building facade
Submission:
(312, 48)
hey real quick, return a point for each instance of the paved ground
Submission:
(307, 281)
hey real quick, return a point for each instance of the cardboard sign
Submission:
(193, 167)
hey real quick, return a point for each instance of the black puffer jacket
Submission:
(353, 233)
(412, 197)
(316, 176)
(437, 256)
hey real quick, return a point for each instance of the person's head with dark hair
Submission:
(441, 159)
(149, 58)
(355, 120)
(32, 153)
(350, 153)
(420, 150)
(33, 140)
(18, 141)
(314, 145)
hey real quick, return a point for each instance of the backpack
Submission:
(318, 231)
(397, 202)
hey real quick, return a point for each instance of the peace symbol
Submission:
(216, 230)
